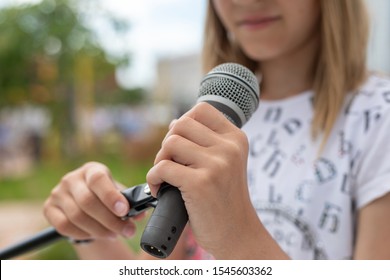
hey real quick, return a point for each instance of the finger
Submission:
(83, 221)
(56, 217)
(167, 171)
(180, 150)
(99, 181)
(194, 131)
(209, 116)
(93, 207)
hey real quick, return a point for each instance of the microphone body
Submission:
(233, 90)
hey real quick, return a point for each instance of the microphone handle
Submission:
(166, 223)
(42, 238)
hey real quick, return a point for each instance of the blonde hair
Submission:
(341, 63)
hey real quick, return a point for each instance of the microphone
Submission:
(233, 90)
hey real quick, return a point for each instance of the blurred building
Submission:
(177, 84)
(379, 46)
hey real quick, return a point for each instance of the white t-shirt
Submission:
(308, 202)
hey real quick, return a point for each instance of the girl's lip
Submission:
(255, 23)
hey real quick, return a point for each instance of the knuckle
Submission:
(202, 106)
(56, 192)
(149, 175)
(220, 167)
(237, 146)
(95, 170)
(205, 178)
(183, 122)
(46, 208)
(94, 164)
(76, 216)
(96, 176)
(62, 226)
(46, 211)
(235, 150)
(164, 164)
(67, 180)
(178, 128)
(172, 141)
(86, 200)
(242, 139)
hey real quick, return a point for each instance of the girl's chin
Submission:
(260, 56)
(260, 53)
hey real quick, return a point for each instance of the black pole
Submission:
(44, 237)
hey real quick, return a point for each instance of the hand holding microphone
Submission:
(204, 156)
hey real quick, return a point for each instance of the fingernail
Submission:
(120, 208)
(128, 230)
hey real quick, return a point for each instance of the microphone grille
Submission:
(235, 83)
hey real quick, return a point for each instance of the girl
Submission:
(306, 178)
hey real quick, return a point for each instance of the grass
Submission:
(38, 184)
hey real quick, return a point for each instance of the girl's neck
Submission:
(290, 74)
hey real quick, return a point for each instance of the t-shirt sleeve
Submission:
(373, 173)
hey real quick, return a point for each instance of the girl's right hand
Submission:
(88, 204)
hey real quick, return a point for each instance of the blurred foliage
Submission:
(41, 46)
(50, 56)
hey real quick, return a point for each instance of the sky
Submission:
(158, 29)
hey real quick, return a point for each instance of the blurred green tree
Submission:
(49, 55)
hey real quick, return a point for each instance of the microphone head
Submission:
(233, 89)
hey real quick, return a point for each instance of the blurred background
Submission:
(98, 80)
